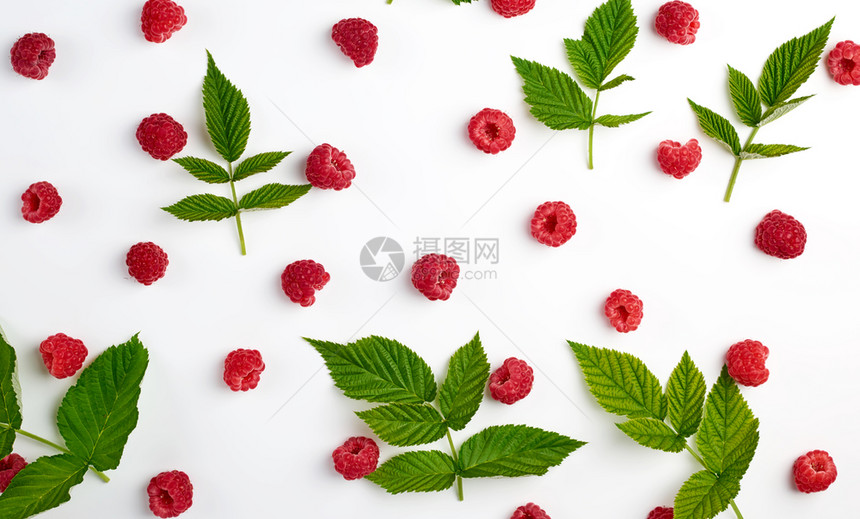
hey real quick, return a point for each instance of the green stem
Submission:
(591, 131)
(702, 462)
(737, 167)
(60, 448)
(735, 508)
(456, 461)
(238, 213)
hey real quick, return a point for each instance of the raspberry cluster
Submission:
(301, 279)
(242, 369)
(63, 355)
(357, 39)
(435, 276)
(33, 54)
(170, 493)
(530, 511)
(41, 202)
(624, 310)
(491, 131)
(780, 235)
(679, 161)
(745, 361)
(356, 458)
(678, 22)
(161, 136)
(159, 19)
(512, 381)
(553, 223)
(9, 467)
(147, 262)
(814, 471)
(329, 168)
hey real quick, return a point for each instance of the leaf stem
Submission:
(737, 167)
(60, 448)
(238, 213)
(702, 462)
(456, 461)
(591, 131)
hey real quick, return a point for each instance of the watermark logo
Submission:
(382, 259)
(477, 257)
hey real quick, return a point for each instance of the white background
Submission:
(402, 120)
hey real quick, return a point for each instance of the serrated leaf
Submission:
(204, 170)
(766, 151)
(463, 389)
(228, 118)
(791, 64)
(745, 97)
(10, 404)
(41, 485)
(378, 370)
(456, 2)
(259, 163)
(685, 393)
(420, 471)
(612, 83)
(555, 98)
(717, 127)
(610, 33)
(513, 450)
(198, 208)
(620, 382)
(273, 196)
(704, 495)
(614, 121)
(778, 110)
(653, 433)
(404, 425)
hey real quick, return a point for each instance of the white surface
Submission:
(688, 255)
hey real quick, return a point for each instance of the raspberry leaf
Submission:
(555, 98)
(42, 485)
(612, 83)
(259, 163)
(704, 495)
(405, 425)
(228, 118)
(717, 127)
(685, 393)
(513, 450)
(273, 196)
(745, 98)
(204, 170)
(778, 110)
(419, 471)
(654, 434)
(10, 405)
(791, 64)
(614, 121)
(765, 151)
(610, 33)
(198, 208)
(463, 389)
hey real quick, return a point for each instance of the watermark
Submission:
(382, 258)
(475, 256)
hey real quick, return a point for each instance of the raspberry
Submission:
(814, 471)
(63, 355)
(677, 22)
(301, 279)
(511, 8)
(491, 131)
(41, 202)
(780, 235)
(357, 38)
(33, 54)
(147, 262)
(170, 493)
(679, 161)
(745, 361)
(435, 276)
(661, 512)
(161, 136)
(160, 19)
(624, 310)
(530, 511)
(553, 223)
(9, 467)
(356, 458)
(512, 381)
(328, 168)
(843, 63)
(242, 369)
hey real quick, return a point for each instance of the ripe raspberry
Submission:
(679, 161)
(160, 19)
(301, 279)
(843, 63)
(41, 202)
(511, 8)
(491, 131)
(530, 511)
(780, 235)
(624, 310)
(328, 168)
(357, 38)
(356, 458)
(170, 493)
(242, 369)
(553, 223)
(814, 471)
(9, 467)
(161, 136)
(661, 512)
(677, 22)
(147, 262)
(63, 355)
(745, 361)
(33, 54)
(512, 381)
(435, 276)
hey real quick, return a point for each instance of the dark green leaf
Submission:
(198, 208)
(745, 97)
(405, 425)
(228, 118)
(765, 151)
(42, 485)
(614, 121)
(612, 83)
(654, 434)
(273, 196)
(778, 110)
(204, 170)
(555, 98)
(10, 405)
(717, 127)
(686, 395)
(420, 471)
(463, 389)
(514, 450)
(610, 33)
(791, 64)
(456, 2)
(704, 495)
(259, 163)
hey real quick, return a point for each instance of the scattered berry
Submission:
(301, 279)
(679, 161)
(624, 310)
(780, 235)
(745, 361)
(242, 369)
(491, 131)
(147, 262)
(661, 512)
(160, 19)
(511, 8)
(357, 38)
(553, 223)
(435, 276)
(844, 63)
(328, 168)
(63, 355)
(9, 467)
(170, 493)
(677, 22)
(530, 511)
(356, 458)
(33, 54)
(41, 202)
(161, 136)
(814, 471)
(512, 381)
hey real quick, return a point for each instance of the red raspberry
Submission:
(814, 471)
(41, 202)
(624, 310)
(356, 458)
(147, 262)
(553, 223)
(661, 512)
(677, 22)
(780, 235)
(491, 131)
(435, 276)
(512, 381)
(745, 361)
(511, 8)
(843, 63)
(679, 161)
(530, 511)
(9, 467)
(328, 168)
(301, 279)
(170, 493)
(242, 369)
(161, 136)
(33, 54)
(357, 38)
(63, 355)
(160, 19)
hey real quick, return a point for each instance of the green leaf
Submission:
(791, 64)
(420, 471)
(204, 170)
(198, 208)
(42, 485)
(610, 33)
(745, 97)
(612, 83)
(686, 395)
(778, 110)
(99, 412)
(614, 121)
(456, 2)
(259, 163)
(378, 370)
(10, 405)
(555, 98)
(620, 382)
(405, 425)
(228, 118)
(704, 495)
(765, 151)
(273, 196)
(653, 433)
(717, 127)
(463, 389)
(513, 450)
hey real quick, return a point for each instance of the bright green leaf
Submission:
(198, 208)
(614, 121)
(654, 434)
(204, 170)
(612, 83)
(610, 33)
(745, 97)
(228, 118)
(420, 471)
(685, 393)
(717, 127)
(463, 389)
(778, 110)
(513, 450)
(405, 425)
(273, 196)
(765, 151)
(259, 163)
(555, 98)
(704, 495)
(791, 64)
(10, 405)
(41, 485)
